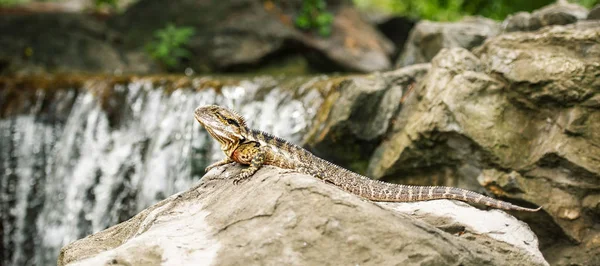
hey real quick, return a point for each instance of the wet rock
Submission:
(237, 34)
(560, 13)
(428, 38)
(515, 117)
(54, 42)
(295, 219)
(358, 112)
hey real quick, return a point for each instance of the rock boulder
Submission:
(518, 116)
(427, 38)
(283, 218)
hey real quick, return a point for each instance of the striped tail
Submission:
(380, 191)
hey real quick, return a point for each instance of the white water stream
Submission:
(67, 170)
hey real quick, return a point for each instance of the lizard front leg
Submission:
(225, 161)
(258, 159)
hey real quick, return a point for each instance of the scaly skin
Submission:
(256, 148)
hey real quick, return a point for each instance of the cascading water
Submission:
(70, 166)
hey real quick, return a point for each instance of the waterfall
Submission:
(75, 162)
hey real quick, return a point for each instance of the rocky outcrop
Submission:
(357, 113)
(519, 116)
(51, 42)
(238, 33)
(427, 38)
(229, 36)
(560, 13)
(284, 218)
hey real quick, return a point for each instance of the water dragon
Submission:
(257, 148)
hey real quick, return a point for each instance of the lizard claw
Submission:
(241, 177)
(238, 180)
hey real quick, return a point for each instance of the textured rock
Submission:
(458, 217)
(287, 218)
(557, 64)
(560, 13)
(428, 38)
(358, 112)
(519, 117)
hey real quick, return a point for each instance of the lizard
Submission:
(256, 148)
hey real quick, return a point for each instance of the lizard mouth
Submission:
(213, 126)
(201, 115)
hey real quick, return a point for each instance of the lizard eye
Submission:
(232, 122)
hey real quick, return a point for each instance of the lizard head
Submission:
(226, 126)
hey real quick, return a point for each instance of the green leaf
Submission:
(324, 19)
(302, 22)
(168, 45)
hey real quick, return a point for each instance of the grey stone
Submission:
(519, 117)
(427, 38)
(358, 112)
(560, 13)
(283, 218)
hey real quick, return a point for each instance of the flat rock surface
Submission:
(284, 218)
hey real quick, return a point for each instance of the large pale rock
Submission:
(427, 38)
(283, 218)
(519, 117)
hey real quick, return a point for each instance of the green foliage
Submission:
(314, 15)
(110, 3)
(11, 2)
(168, 46)
(449, 10)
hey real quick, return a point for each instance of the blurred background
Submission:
(97, 96)
(272, 37)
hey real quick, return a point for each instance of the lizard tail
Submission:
(380, 191)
